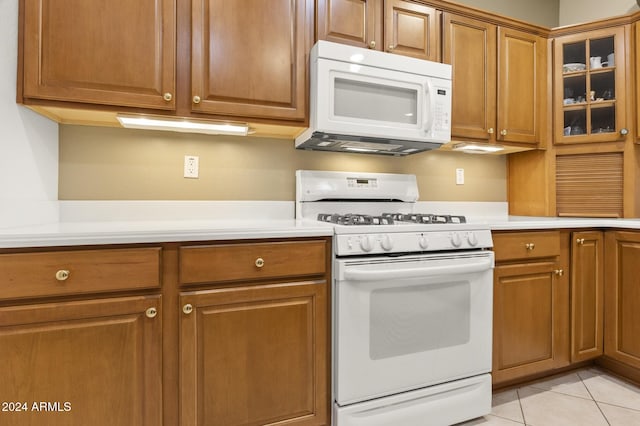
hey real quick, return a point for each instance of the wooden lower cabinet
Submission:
(530, 303)
(255, 355)
(622, 289)
(91, 362)
(587, 295)
(245, 341)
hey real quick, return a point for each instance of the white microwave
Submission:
(375, 102)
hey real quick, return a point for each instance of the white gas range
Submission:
(412, 302)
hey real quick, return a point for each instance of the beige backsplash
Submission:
(99, 163)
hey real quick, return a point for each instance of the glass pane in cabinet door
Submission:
(575, 122)
(603, 86)
(603, 120)
(575, 89)
(574, 57)
(601, 53)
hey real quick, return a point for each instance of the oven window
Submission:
(359, 99)
(414, 319)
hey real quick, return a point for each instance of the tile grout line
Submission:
(524, 420)
(594, 400)
(564, 393)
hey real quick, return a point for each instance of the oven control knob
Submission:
(365, 243)
(424, 242)
(472, 238)
(386, 242)
(456, 241)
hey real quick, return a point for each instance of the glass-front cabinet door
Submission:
(590, 87)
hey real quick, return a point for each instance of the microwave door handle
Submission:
(366, 274)
(430, 102)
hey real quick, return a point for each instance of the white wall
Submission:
(579, 11)
(541, 12)
(28, 142)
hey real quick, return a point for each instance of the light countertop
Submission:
(515, 223)
(128, 232)
(93, 223)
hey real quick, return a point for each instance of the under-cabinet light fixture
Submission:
(472, 148)
(182, 125)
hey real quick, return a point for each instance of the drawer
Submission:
(233, 262)
(526, 245)
(88, 271)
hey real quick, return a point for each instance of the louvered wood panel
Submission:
(589, 185)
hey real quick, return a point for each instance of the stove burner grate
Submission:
(355, 219)
(389, 218)
(426, 218)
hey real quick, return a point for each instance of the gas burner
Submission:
(389, 218)
(355, 219)
(425, 218)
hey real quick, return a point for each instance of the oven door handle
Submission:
(366, 274)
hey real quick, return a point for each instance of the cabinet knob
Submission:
(490, 130)
(151, 312)
(62, 275)
(390, 47)
(259, 262)
(196, 99)
(503, 132)
(529, 246)
(624, 132)
(559, 272)
(188, 308)
(372, 44)
(167, 97)
(580, 241)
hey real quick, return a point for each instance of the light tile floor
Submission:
(581, 398)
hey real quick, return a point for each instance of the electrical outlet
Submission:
(191, 166)
(459, 176)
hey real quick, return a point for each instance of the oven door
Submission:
(408, 322)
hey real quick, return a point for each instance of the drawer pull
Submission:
(187, 309)
(62, 275)
(151, 312)
(530, 246)
(559, 272)
(580, 241)
(259, 262)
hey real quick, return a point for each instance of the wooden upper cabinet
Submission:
(411, 29)
(355, 22)
(521, 86)
(469, 46)
(590, 99)
(397, 26)
(499, 77)
(249, 58)
(119, 53)
(637, 55)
